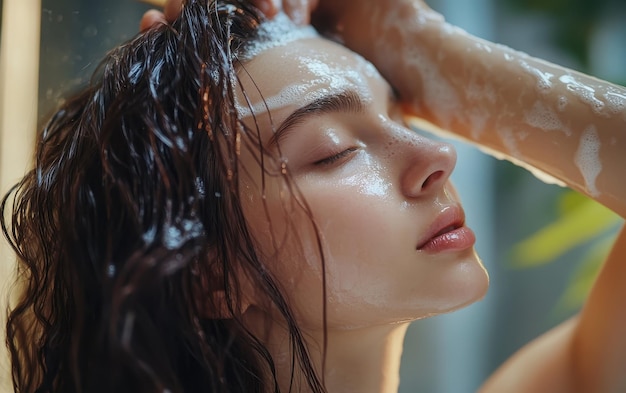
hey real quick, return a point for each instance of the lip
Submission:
(448, 232)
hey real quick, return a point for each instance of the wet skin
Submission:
(379, 194)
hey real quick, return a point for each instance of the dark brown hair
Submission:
(132, 213)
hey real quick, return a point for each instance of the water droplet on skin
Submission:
(616, 102)
(544, 79)
(562, 104)
(483, 47)
(584, 92)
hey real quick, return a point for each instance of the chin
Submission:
(474, 288)
(468, 285)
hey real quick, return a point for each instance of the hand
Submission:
(298, 10)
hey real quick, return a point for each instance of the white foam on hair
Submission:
(278, 31)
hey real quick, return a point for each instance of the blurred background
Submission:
(540, 263)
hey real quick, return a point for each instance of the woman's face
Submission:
(390, 224)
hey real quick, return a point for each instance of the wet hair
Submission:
(132, 218)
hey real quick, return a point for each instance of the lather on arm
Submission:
(565, 123)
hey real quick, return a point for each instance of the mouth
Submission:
(448, 232)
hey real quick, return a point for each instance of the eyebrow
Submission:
(344, 101)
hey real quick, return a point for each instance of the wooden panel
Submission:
(19, 78)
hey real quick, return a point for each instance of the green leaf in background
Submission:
(581, 220)
(583, 277)
(570, 201)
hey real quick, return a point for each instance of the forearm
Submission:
(567, 124)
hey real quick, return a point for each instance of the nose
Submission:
(427, 166)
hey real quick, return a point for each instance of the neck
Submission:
(365, 360)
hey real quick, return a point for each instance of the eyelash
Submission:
(334, 158)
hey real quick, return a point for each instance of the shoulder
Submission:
(543, 365)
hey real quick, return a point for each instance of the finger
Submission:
(173, 8)
(269, 8)
(151, 18)
(298, 11)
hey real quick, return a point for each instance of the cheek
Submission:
(374, 273)
(366, 245)
(368, 236)
(286, 241)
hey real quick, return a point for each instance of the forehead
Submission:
(286, 77)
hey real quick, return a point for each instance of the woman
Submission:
(190, 225)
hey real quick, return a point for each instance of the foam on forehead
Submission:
(278, 31)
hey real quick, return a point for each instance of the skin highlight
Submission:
(343, 160)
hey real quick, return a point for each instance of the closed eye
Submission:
(336, 157)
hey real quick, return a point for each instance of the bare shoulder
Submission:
(543, 365)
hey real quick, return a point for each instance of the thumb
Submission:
(173, 9)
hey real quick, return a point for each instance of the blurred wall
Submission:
(19, 68)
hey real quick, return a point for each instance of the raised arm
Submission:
(567, 124)
(559, 121)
